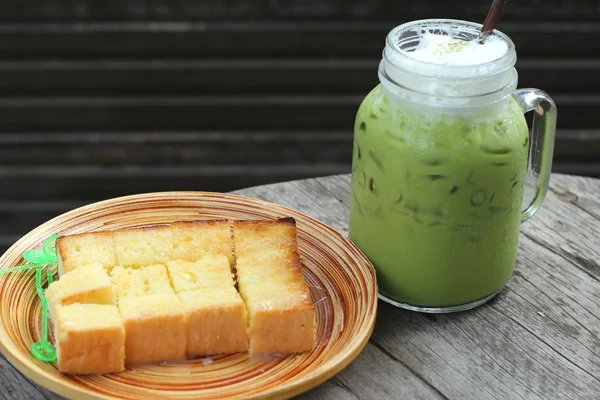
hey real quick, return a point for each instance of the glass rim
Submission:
(504, 62)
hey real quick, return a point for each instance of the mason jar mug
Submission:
(444, 171)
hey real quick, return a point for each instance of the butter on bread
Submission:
(195, 239)
(129, 282)
(137, 247)
(215, 313)
(207, 272)
(155, 327)
(174, 291)
(90, 339)
(88, 285)
(282, 318)
(74, 251)
(216, 321)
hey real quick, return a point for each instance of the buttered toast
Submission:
(195, 239)
(154, 328)
(180, 290)
(143, 281)
(138, 247)
(216, 316)
(90, 339)
(83, 249)
(269, 274)
(86, 285)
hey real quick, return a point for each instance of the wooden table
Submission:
(538, 339)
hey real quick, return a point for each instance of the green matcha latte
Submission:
(439, 163)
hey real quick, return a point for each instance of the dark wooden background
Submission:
(106, 98)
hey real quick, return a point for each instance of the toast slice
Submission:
(210, 271)
(215, 313)
(195, 239)
(216, 321)
(79, 250)
(143, 281)
(282, 318)
(155, 327)
(90, 339)
(87, 285)
(138, 247)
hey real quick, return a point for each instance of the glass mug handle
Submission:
(541, 144)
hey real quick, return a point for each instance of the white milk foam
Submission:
(445, 50)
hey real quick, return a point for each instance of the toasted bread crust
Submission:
(195, 239)
(282, 318)
(78, 250)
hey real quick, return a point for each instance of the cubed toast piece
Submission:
(88, 285)
(155, 327)
(90, 339)
(194, 239)
(282, 318)
(216, 321)
(209, 271)
(138, 247)
(74, 251)
(143, 281)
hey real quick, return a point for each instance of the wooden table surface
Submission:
(538, 339)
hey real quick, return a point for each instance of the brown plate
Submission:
(341, 278)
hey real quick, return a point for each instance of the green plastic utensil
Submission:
(39, 260)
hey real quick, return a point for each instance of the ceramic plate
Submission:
(341, 280)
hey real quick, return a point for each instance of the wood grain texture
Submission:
(139, 95)
(13, 386)
(31, 197)
(539, 339)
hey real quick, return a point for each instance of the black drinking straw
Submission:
(492, 19)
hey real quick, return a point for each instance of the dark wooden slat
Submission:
(177, 113)
(74, 114)
(7, 240)
(18, 219)
(19, 216)
(577, 146)
(86, 10)
(176, 148)
(99, 182)
(25, 212)
(253, 39)
(245, 76)
(43, 192)
(187, 76)
(174, 137)
(582, 169)
(219, 148)
(560, 75)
